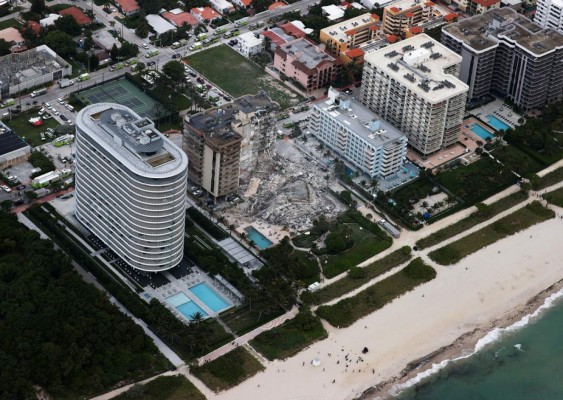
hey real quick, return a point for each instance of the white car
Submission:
(56, 113)
(6, 188)
(61, 101)
(145, 46)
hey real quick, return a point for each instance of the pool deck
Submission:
(467, 132)
(274, 233)
(499, 109)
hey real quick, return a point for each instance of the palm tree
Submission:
(196, 317)
(424, 205)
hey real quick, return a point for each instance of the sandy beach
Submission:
(489, 288)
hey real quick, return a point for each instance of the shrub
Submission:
(356, 273)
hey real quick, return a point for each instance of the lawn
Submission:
(238, 76)
(59, 7)
(517, 160)
(530, 215)
(355, 280)
(228, 370)
(290, 338)
(349, 310)
(9, 23)
(175, 387)
(243, 319)
(484, 213)
(555, 197)
(20, 125)
(549, 179)
(366, 245)
(476, 181)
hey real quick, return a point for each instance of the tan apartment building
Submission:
(405, 14)
(341, 38)
(225, 143)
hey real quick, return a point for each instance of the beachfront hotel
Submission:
(506, 54)
(130, 186)
(414, 85)
(358, 135)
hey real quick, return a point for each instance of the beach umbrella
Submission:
(316, 362)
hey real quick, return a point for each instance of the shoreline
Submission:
(456, 350)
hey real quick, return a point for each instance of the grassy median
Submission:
(163, 388)
(555, 197)
(228, 370)
(291, 337)
(349, 310)
(484, 213)
(519, 220)
(357, 276)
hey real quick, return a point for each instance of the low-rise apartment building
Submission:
(350, 34)
(306, 63)
(358, 135)
(407, 13)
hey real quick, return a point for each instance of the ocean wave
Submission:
(491, 337)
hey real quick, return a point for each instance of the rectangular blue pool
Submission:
(183, 304)
(210, 297)
(261, 241)
(497, 123)
(481, 132)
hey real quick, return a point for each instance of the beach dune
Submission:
(483, 290)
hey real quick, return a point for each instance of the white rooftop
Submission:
(49, 20)
(419, 63)
(338, 31)
(250, 39)
(301, 26)
(131, 139)
(369, 4)
(333, 12)
(159, 24)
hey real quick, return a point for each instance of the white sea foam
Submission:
(518, 346)
(489, 338)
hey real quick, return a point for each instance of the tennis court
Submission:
(123, 92)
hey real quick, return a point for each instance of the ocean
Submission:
(523, 361)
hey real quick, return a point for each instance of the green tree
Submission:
(174, 70)
(4, 47)
(94, 62)
(38, 7)
(143, 28)
(68, 25)
(61, 43)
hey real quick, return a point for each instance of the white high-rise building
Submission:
(358, 135)
(130, 186)
(549, 14)
(414, 85)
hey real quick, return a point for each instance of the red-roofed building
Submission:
(355, 56)
(405, 14)
(205, 14)
(34, 26)
(78, 15)
(392, 38)
(293, 30)
(127, 7)
(450, 17)
(375, 17)
(412, 31)
(276, 5)
(242, 4)
(178, 18)
(346, 4)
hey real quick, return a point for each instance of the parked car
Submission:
(176, 55)
(20, 187)
(200, 79)
(5, 188)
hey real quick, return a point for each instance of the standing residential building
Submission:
(506, 54)
(340, 38)
(406, 14)
(131, 186)
(413, 85)
(549, 14)
(306, 63)
(250, 44)
(358, 135)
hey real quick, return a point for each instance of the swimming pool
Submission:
(184, 305)
(210, 297)
(261, 241)
(497, 123)
(481, 132)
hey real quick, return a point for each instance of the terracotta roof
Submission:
(416, 30)
(392, 38)
(34, 26)
(394, 9)
(128, 5)
(486, 3)
(409, 15)
(206, 13)
(246, 2)
(276, 5)
(429, 4)
(292, 30)
(450, 17)
(351, 32)
(355, 53)
(278, 41)
(346, 4)
(374, 28)
(77, 14)
(180, 18)
(375, 17)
